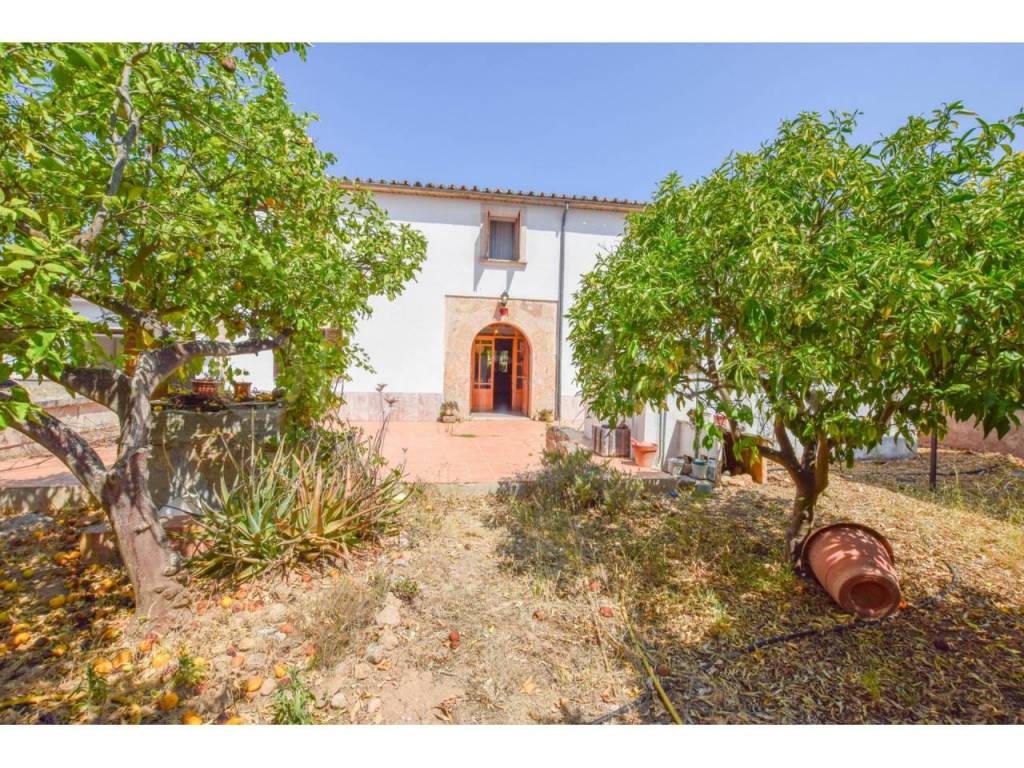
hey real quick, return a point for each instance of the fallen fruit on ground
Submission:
(191, 718)
(102, 667)
(160, 660)
(253, 684)
(606, 611)
(167, 701)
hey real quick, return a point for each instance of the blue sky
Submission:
(613, 120)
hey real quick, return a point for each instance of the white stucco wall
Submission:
(404, 339)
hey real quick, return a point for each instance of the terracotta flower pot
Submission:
(644, 453)
(854, 564)
(205, 387)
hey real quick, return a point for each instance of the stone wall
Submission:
(193, 452)
(407, 406)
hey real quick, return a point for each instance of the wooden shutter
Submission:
(485, 236)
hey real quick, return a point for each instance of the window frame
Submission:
(514, 217)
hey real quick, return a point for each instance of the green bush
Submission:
(572, 482)
(321, 492)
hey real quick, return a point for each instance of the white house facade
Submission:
(482, 324)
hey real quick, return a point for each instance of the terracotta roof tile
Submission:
(428, 187)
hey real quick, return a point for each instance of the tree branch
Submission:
(158, 364)
(106, 386)
(63, 442)
(123, 144)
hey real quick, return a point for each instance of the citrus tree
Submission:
(173, 187)
(837, 291)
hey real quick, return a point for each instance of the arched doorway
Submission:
(500, 371)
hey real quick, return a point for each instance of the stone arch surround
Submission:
(466, 316)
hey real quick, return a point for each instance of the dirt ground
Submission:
(490, 611)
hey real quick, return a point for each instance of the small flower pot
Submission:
(205, 387)
(644, 454)
(243, 390)
(699, 469)
(854, 564)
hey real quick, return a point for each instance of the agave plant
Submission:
(320, 493)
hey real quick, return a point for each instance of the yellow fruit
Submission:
(191, 718)
(234, 721)
(9, 586)
(253, 684)
(167, 702)
(5, 617)
(160, 660)
(19, 627)
(225, 602)
(20, 639)
(57, 602)
(135, 714)
(28, 573)
(102, 667)
(110, 633)
(122, 658)
(59, 650)
(280, 671)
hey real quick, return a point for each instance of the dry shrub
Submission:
(334, 618)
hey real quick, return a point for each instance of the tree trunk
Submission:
(811, 480)
(141, 540)
(803, 513)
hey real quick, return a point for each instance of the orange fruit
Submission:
(167, 701)
(57, 602)
(225, 602)
(160, 660)
(122, 658)
(102, 667)
(280, 671)
(20, 639)
(236, 720)
(59, 650)
(253, 684)
(191, 718)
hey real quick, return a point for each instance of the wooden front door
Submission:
(482, 392)
(512, 391)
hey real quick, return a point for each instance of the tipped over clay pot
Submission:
(854, 563)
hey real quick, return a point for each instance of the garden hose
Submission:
(654, 684)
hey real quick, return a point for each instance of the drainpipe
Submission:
(561, 293)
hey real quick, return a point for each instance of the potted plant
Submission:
(449, 412)
(205, 387)
(546, 415)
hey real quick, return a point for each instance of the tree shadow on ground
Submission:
(702, 578)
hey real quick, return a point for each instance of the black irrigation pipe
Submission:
(789, 637)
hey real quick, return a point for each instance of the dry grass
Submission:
(702, 579)
(333, 618)
(525, 585)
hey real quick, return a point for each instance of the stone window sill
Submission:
(503, 263)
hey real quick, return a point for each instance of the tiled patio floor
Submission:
(473, 451)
